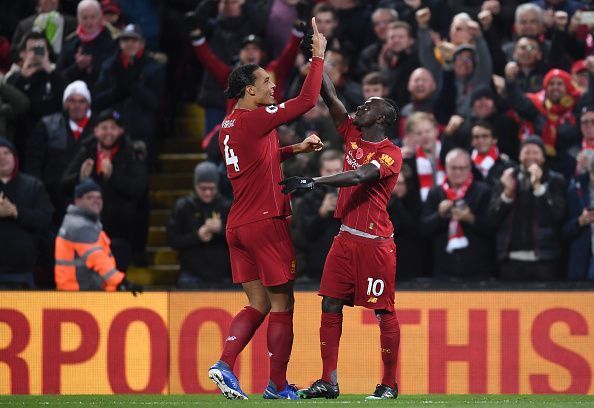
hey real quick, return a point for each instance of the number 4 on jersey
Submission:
(230, 158)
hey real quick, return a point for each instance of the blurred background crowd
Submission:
(110, 113)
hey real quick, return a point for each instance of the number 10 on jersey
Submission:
(230, 158)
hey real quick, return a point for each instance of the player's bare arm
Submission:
(335, 106)
(364, 174)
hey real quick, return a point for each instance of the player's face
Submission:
(367, 114)
(263, 88)
(107, 133)
(482, 139)
(206, 191)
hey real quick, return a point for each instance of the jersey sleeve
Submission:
(388, 161)
(264, 119)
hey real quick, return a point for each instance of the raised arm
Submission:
(337, 110)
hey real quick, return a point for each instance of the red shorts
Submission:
(262, 250)
(361, 271)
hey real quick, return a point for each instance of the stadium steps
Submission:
(173, 179)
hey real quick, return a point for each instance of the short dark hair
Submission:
(240, 78)
(324, 8)
(374, 78)
(37, 35)
(401, 24)
(390, 111)
(485, 125)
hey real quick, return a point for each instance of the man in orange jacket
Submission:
(83, 256)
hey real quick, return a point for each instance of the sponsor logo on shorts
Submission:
(293, 267)
(372, 300)
(386, 351)
(231, 338)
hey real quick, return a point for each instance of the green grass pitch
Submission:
(200, 401)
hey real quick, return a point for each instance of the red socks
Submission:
(330, 331)
(390, 341)
(280, 344)
(241, 331)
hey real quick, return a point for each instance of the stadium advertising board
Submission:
(451, 342)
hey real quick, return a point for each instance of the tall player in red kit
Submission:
(260, 247)
(361, 266)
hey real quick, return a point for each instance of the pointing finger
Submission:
(314, 26)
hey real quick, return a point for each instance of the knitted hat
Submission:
(535, 140)
(206, 172)
(77, 88)
(86, 186)
(7, 143)
(481, 91)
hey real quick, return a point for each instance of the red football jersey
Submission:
(363, 207)
(249, 144)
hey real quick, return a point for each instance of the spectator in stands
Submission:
(353, 30)
(421, 87)
(25, 211)
(225, 23)
(369, 58)
(580, 75)
(132, 82)
(424, 154)
(455, 217)
(112, 13)
(48, 20)
(110, 160)
(398, 59)
(528, 22)
(55, 141)
(281, 17)
(586, 149)
(13, 102)
(317, 120)
(528, 55)
(488, 162)
(40, 81)
(579, 225)
(528, 206)
(467, 53)
(374, 85)
(550, 113)
(89, 47)
(327, 22)
(485, 106)
(196, 229)
(83, 256)
(316, 216)
(404, 208)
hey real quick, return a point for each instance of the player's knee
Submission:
(261, 305)
(331, 305)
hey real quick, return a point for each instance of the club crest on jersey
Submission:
(359, 154)
(272, 109)
(386, 159)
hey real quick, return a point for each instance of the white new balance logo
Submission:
(231, 338)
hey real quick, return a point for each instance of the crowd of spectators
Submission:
(496, 127)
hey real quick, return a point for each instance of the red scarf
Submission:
(456, 238)
(425, 170)
(126, 62)
(79, 127)
(556, 114)
(484, 161)
(587, 146)
(88, 37)
(105, 154)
